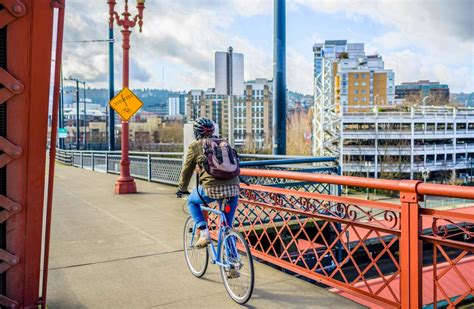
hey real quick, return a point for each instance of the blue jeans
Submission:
(195, 202)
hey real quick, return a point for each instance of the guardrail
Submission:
(379, 252)
(165, 167)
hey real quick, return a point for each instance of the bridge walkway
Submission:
(111, 251)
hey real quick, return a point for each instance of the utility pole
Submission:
(111, 89)
(85, 115)
(61, 110)
(78, 125)
(279, 78)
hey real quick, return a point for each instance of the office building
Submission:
(229, 73)
(417, 91)
(177, 104)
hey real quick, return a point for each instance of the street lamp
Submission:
(78, 125)
(125, 183)
(85, 115)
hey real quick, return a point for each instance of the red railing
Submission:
(375, 251)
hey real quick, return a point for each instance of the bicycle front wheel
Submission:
(196, 259)
(237, 272)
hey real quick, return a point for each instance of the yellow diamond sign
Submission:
(126, 103)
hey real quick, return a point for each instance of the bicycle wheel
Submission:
(196, 259)
(238, 277)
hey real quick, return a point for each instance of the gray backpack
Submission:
(220, 159)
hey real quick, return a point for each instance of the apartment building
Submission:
(252, 112)
(364, 83)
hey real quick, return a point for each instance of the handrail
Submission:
(288, 161)
(381, 184)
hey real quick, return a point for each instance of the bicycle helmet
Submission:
(203, 127)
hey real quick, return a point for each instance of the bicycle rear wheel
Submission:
(196, 259)
(238, 274)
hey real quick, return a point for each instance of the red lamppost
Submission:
(125, 183)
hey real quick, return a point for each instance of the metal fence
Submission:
(165, 167)
(391, 255)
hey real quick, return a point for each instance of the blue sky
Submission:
(419, 39)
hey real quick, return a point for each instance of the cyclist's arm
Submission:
(187, 171)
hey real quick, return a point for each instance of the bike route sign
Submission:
(126, 103)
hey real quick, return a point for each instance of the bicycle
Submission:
(231, 253)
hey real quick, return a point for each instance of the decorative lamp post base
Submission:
(125, 186)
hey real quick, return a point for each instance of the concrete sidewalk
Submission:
(111, 251)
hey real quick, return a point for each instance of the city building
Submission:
(252, 112)
(229, 73)
(177, 103)
(194, 104)
(437, 141)
(346, 80)
(434, 92)
(253, 115)
(364, 83)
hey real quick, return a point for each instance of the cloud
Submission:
(430, 39)
(183, 35)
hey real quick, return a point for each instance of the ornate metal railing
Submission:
(375, 251)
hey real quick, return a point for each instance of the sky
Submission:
(418, 39)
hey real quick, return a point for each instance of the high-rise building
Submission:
(253, 115)
(177, 104)
(229, 73)
(346, 80)
(364, 83)
(434, 91)
(195, 104)
(252, 112)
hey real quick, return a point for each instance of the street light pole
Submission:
(111, 123)
(125, 183)
(85, 115)
(78, 125)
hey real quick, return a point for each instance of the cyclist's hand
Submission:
(181, 194)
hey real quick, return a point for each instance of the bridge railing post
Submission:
(92, 161)
(148, 158)
(82, 159)
(106, 162)
(411, 262)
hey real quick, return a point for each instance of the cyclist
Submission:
(211, 188)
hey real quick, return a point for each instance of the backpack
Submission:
(220, 159)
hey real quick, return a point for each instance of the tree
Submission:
(298, 133)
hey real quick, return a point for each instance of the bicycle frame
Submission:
(216, 252)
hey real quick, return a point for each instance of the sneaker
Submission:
(204, 240)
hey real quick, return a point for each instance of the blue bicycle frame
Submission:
(230, 246)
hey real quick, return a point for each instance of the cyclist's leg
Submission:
(229, 216)
(233, 203)
(194, 205)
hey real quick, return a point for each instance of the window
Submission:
(356, 75)
(356, 84)
(364, 83)
(364, 99)
(363, 91)
(363, 75)
(356, 99)
(356, 91)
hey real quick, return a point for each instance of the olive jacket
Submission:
(195, 157)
